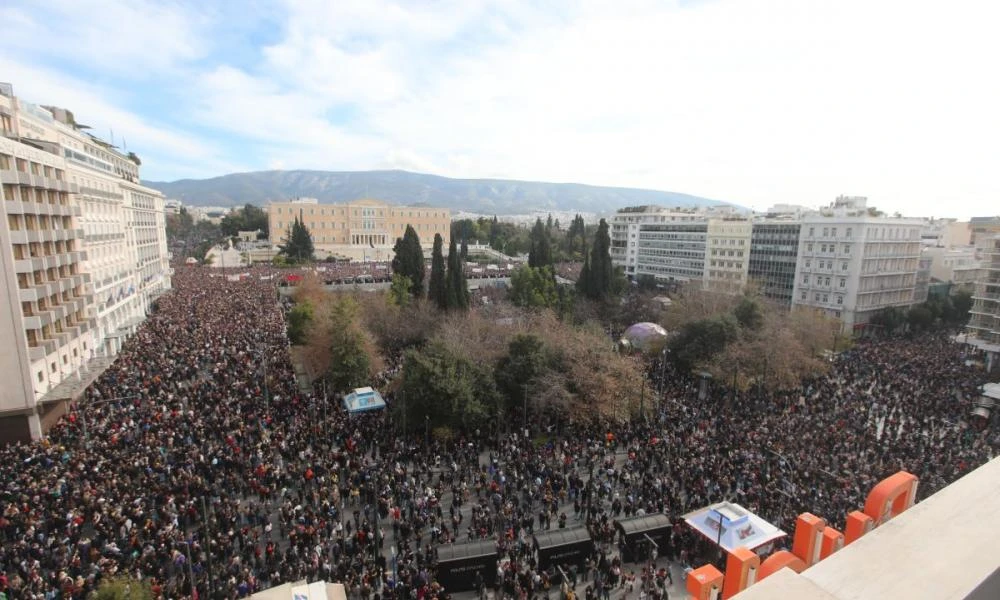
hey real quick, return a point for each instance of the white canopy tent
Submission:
(739, 527)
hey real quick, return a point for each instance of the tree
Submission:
(888, 320)
(349, 365)
(599, 282)
(445, 388)
(399, 290)
(577, 229)
(533, 287)
(548, 224)
(299, 318)
(699, 341)
(919, 317)
(248, 218)
(408, 260)
(132, 156)
(436, 290)
(748, 314)
(464, 252)
(540, 254)
(298, 246)
(457, 289)
(523, 364)
(961, 303)
(123, 588)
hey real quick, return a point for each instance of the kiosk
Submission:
(640, 536)
(458, 564)
(563, 547)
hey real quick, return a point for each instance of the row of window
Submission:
(822, 297)
(361, 212)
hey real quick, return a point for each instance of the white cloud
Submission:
(137, 38)
(750, 100)
(173, 151)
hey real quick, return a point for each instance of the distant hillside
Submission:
(484, 196)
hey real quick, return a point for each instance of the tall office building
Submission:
(84, 273)
(852, 263)
(774, 250)
(682, 245)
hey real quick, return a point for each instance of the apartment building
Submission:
(118, 242)
(852, 263)
(957, 265)
(363, 229)
(45, 319)
(984, 318)
(774, 250)
(982, 230)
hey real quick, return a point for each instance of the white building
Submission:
(45, 317)
(121, 245)
(984, 318)
(958, 265)
(677, 245)
(852, 264)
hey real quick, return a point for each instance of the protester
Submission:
(195, 460)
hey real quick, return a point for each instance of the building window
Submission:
(843, 282)
(847, 248)
(803, 295)
(843, 266)
(840, 299)
(809, 247)
(812, 231)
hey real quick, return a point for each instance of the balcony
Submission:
(28, 265)
(41, 350)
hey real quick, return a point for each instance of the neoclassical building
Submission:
(362, 229)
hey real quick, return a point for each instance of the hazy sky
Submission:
(751, 101)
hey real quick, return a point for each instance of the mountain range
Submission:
(482, 196)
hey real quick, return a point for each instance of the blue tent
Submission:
(363, 400)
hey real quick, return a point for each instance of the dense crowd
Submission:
(195, 460)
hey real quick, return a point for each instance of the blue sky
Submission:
(754, 101)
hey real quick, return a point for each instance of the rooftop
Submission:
(942, 548)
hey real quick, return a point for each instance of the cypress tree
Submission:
(601, 269)
(457, 287)
(436, 291)
(540, 254)
(409, 260)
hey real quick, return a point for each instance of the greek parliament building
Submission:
(363, 230)
(83, 253)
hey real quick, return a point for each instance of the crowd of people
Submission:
(196, 462)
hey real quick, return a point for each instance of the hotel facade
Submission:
(83, 254)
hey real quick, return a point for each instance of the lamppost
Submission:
(525, 386)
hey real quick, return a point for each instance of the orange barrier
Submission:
(742, 566)
(808, 536)
(704, 583)
(779, 560)
(812, 541)
(833, 540)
